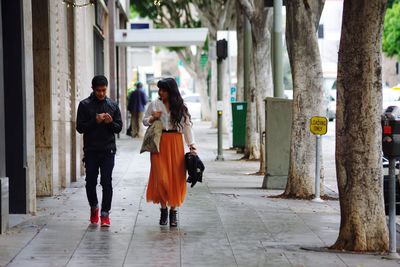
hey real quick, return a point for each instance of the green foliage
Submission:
(134, 14)
(391, 31)
(391, 2)
(169, 14)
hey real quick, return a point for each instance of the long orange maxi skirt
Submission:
(167, 181)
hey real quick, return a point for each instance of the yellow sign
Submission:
(319, 125)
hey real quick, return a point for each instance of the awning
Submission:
(161, 37)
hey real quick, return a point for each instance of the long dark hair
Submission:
(177, 107)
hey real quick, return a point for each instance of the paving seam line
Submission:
(86, 231)
(266, 228)
(219, 216)
(27, 244)
(134, 225)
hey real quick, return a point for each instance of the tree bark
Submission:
(200, 78)
(252, 151)
(246, 92)
(264, 88)
(261, 27)
(215, 15)
(201, 85)
(358, 130)
(302, 22)
(212, 38)
(261, 23)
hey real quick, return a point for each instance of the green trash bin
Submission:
(239, 112)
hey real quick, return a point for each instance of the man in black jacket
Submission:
(99, 119)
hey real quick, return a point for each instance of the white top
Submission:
(158, 106)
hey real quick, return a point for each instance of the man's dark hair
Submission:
(99, 80)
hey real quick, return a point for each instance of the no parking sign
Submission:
(318, 125)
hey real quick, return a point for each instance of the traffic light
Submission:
(270, 3)
(222, 49)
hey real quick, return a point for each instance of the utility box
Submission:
(278, 130)
(391, 132)
(239, 114)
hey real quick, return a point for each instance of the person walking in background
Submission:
(136, 105)
(167, 179)
(99, 119)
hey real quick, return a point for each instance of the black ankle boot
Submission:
(164, 216)
(173, 222)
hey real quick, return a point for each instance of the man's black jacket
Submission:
(98, 137)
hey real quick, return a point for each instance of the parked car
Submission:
(193, 104)
(329, 102)
(288, 94)
(331, 111)
(390, 97)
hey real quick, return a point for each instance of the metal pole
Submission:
(220, 155)
(228, 69)
(277, 50)
(246, 57)
(317, 197)
(4, 188)
(392, 209)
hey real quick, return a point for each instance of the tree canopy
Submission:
(391, 2)
(391, 31)
(167, 14)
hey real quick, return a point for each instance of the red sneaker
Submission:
(94, 216)
(105, 221)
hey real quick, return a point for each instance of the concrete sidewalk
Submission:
(226, 221)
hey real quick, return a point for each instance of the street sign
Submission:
(203, 60)
(318, 125)
(233, 94)
(220, 105)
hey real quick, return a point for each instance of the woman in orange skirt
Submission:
(167, 180)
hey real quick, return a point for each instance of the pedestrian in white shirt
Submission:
(167, 179)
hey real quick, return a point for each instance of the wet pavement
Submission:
(225, 221)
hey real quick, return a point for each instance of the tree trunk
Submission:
(261, 22)
(302, 22)
(199, 75)
(252, 151)
(215, 15)
(263, 73)
(358, 130)
(240, 47)
(212, 39)
(201, 86)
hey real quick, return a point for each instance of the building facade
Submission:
(49, 52)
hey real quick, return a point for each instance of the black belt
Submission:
(169, 131)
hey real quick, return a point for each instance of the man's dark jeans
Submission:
(105, 162)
